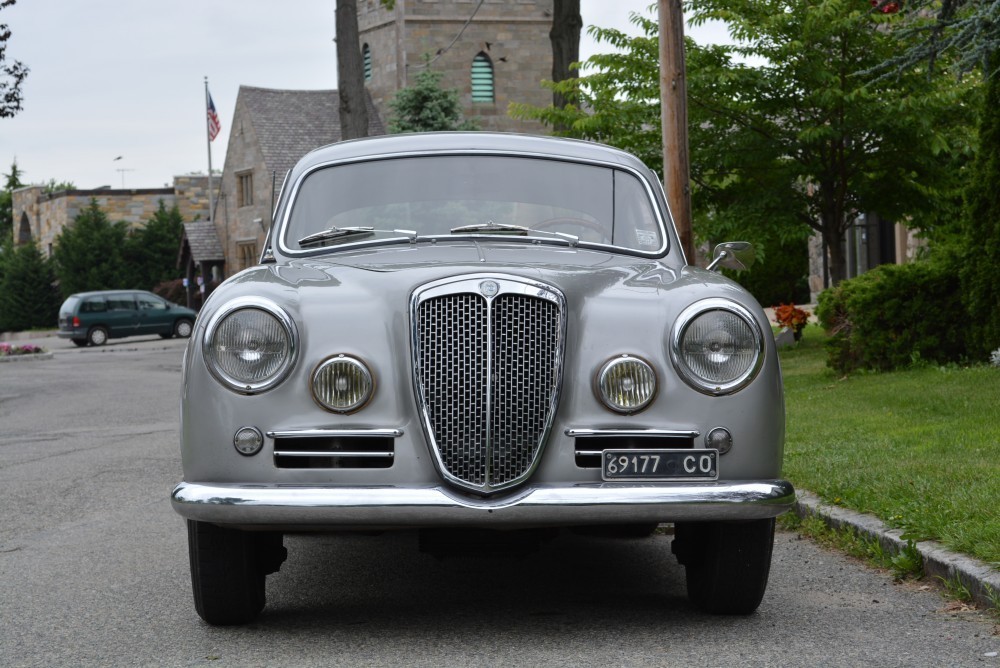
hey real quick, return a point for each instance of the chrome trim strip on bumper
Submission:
(335, 433)
(290, 506)
(590, 433)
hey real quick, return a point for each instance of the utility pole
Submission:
(673, 118)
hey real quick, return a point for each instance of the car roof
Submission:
(450, 142)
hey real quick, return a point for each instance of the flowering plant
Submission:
(995, 357)
(791, 317)
(27, 349)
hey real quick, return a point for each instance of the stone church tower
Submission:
(492, 51)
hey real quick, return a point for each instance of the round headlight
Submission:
(717, 346)
(250, 345)
(342, 384)
(626, 384)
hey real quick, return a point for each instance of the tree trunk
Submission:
(833, 239)
(350, 72)
(565, 38)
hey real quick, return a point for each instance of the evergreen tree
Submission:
(151, 251)
(28, 298)
(426, 107)
(89, 254)
(12, 181)
(981, 238)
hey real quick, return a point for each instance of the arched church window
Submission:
(366, 57)
(482, 78)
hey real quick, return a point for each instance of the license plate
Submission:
(659, 464)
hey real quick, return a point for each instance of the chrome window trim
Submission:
(506, 285)
(284, 320)
(647, 186)
(680, 327)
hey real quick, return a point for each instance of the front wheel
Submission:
(727, 563)
(228, 568)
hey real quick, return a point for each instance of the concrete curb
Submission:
(28, 357)
(980, 579)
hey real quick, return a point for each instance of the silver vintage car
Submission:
(475, 332)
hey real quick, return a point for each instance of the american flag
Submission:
(213, 120)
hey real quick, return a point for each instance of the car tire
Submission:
(97, 336)
(79, 342)
(182, 328)
(228, 568)
(726, 563)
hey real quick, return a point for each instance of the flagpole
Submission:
(208, 137)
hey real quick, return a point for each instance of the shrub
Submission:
(893, 316)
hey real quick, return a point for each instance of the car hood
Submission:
(361, 278)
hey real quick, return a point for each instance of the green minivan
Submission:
(94, 317)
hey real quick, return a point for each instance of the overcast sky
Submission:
(125, 78)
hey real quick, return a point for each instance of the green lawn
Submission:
(919, 448)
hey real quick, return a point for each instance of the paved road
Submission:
(93, 568)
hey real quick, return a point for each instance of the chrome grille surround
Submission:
(488, 359)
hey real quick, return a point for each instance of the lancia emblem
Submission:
(489, 288)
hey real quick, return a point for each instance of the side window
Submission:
(121, 303)
(482, 78)
(94, 305)
(147, 303)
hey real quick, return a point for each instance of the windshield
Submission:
(468, 194)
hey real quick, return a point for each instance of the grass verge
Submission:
(918, 448)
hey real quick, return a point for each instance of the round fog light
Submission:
(626, 384)
(719, 439)
(248, 441)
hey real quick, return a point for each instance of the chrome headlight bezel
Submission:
(733, 382)
(358, 368)
(243, 385)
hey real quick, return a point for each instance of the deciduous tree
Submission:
(12, 74)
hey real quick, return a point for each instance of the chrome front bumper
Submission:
(311, 508)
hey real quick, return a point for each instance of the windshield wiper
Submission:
(505, 228)
(346, 232)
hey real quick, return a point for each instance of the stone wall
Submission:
(513, 33)
(42, 216)
(237, 224)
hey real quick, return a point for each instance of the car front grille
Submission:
(488, 354)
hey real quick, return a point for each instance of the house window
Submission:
(244, 189)
(246, 254)
(482, 78)
(366, 57)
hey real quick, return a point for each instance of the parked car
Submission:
(473, 332)
(94, 317)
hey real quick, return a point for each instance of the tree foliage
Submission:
(800, 140)
(980, 257)
(12, 74)
(962, 33)
(28, 297)
(426, 107)
(89, 254)
(151, 250)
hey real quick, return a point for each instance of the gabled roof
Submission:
(203, 242)
(290, 123)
